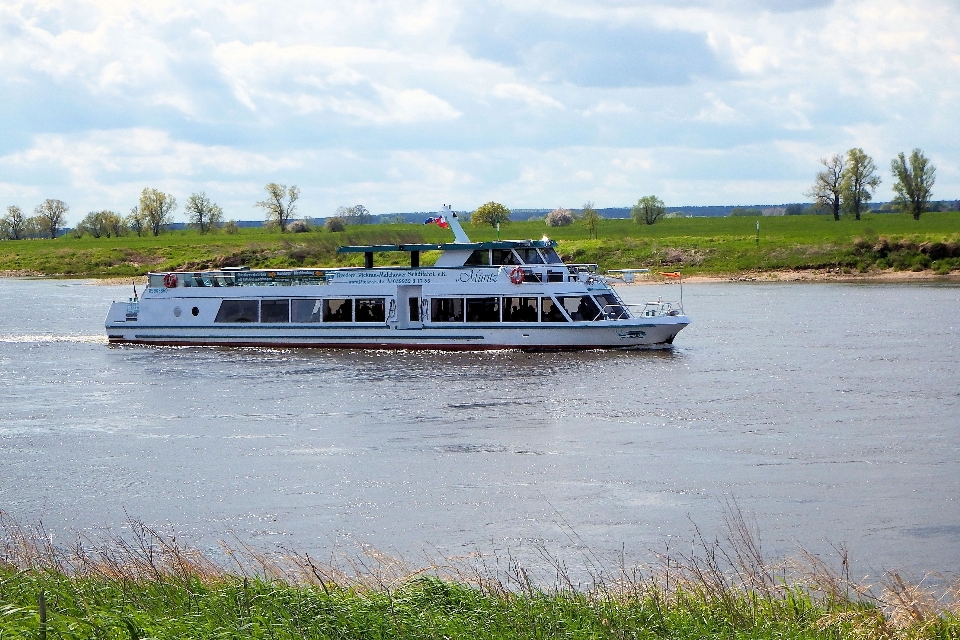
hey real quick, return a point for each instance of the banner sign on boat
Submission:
(388, 276)
(412, 276)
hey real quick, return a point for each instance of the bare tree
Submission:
(13, 226)
(156, 207)
(357, 214)
(51, 214)
(827, 189)
(202, 212)
(281, 203)
(860, 180)
(914, 184)
(135, 221)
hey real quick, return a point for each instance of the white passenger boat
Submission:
(511, 294)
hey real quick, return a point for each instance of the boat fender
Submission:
(516, 275)
(170, 280)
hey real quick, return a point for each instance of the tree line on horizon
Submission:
(846, 184)
(154, 214)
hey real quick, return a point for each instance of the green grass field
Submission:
(708, 246)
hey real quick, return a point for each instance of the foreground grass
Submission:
(153, 588)
(697, 245)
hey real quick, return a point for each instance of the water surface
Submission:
(828, 411)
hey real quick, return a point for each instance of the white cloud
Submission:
(718, 111)
(533, 97)
(387, 103)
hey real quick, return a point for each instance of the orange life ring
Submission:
(170, 280)
(516, 275)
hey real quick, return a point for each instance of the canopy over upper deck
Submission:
(415, 249)
(449, 246)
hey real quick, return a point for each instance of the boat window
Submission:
(479, 257)
(338, 310)
(530, 256)
(446, 310)
(238, 311)
(483, 309)
(414, 309)
(613, 309)
(306, 310)
(371, 310)
(504, 256)
(580, 308)
(520, 309)
(550, 256)
(275, 310)
(550, 311)
(554, 276)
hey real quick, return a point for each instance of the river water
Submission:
(829, 412)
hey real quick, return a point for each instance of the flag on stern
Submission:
(440, 221)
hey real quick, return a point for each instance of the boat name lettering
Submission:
(479, 276)
(157, 290)
(413, 276)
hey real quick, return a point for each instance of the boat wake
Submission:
(45, 337)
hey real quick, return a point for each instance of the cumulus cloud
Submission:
(530, 101)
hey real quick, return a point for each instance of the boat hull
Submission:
(623, 334)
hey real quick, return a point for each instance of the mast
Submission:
(458, 233)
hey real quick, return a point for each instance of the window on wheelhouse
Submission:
(306, 310)
(275, 310)
(530, 256)
(371, 310)
(338, 310)
(504, 257)
(238, 311)
(580, 308)
(550, 311)
(550, 256)
(520, 309)
(613, 308)
(480, 257)
(446, 310)
(483, 309)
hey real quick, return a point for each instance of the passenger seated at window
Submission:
(364, 314)
(587, 310)
(551, 312)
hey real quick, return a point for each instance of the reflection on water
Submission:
(829, 411)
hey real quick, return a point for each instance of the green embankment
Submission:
(707, 246)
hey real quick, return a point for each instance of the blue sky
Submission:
(403, 106)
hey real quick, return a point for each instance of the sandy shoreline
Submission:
(812, 275)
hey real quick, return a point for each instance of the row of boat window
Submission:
(363, 310)
(516, 256)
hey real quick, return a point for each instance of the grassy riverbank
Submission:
(699, 246)
(150, 587)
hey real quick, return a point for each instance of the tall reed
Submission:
(149, 584)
